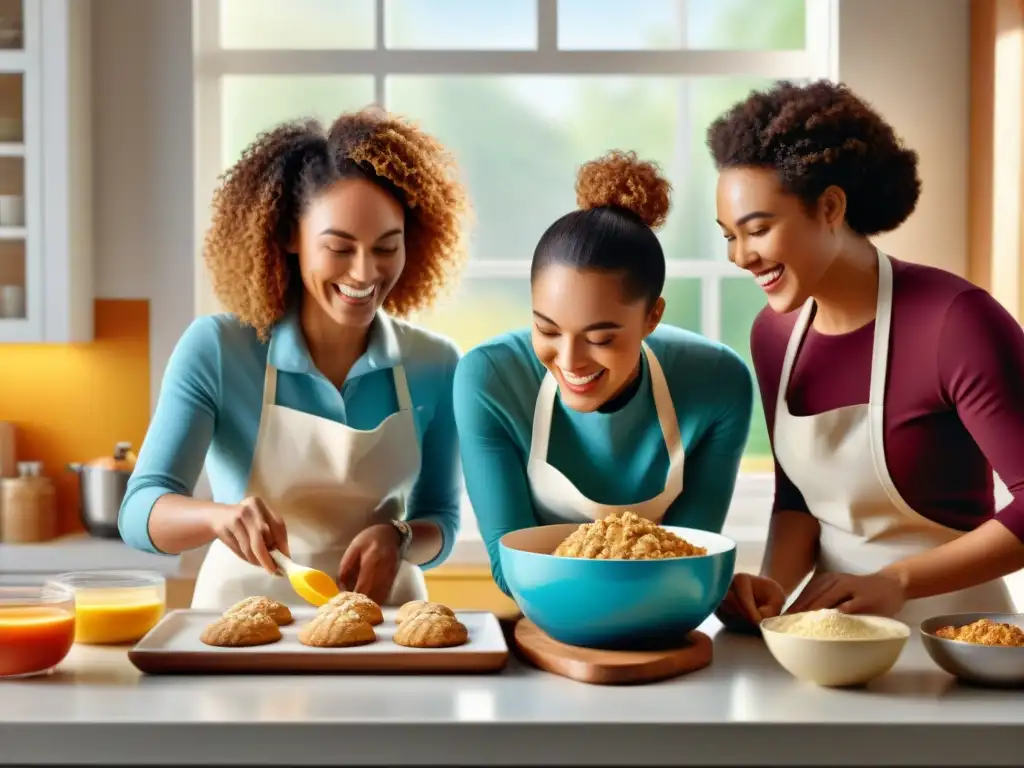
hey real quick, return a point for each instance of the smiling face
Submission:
(773, 235)
(588, 334)
(351, 247)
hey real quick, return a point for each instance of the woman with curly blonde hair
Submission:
(325, 424)
(596, 408)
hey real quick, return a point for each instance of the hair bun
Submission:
(620, 180)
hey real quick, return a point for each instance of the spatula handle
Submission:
(283, 562)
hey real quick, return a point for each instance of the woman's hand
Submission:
(880, 593)
(252, 531)
(370, 563)
(749, 600)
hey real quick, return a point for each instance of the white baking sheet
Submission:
(173, 645)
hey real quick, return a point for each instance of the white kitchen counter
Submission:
(744, 709)
(79, 552)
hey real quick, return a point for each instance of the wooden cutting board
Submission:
(599, 667)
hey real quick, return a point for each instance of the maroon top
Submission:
(954, 395)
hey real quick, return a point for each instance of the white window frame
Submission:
(747, 520)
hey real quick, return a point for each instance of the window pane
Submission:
(707, 98)
(605, 25)
(297, 24)
(461, 24)
(682, 303)
(520, 140)
(251, 104)
(742, 299)
(479, 309)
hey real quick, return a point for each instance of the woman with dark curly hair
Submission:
(325, 424)
(890, 389)
(596, 408)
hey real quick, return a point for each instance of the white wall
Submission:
(911, 59)
(142, 135)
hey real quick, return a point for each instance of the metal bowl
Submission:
(971, 662)
(615, 604)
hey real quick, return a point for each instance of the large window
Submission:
(522, 91)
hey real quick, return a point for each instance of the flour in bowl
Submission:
(833, 624)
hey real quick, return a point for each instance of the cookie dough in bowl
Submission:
(651, 596)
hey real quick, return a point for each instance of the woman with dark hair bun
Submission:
(891, 390)
(595, 409)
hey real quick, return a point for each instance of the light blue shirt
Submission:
(211, 399)
(612, 458)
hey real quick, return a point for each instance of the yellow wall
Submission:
(74, 402)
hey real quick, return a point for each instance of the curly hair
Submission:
(621, 201)
(620, 180)
(818, 135)
(261, 197)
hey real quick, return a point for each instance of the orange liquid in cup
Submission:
(34, 639)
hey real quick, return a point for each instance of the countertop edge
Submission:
(511, 743)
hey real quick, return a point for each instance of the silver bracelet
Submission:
(405, 534)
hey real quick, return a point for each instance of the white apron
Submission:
(837, 461)
(557, 500)
(328, 482)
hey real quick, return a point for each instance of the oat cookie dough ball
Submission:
(357, 602)
(427, 630)
(240, 630)
(414, 607)
(279, 612)
(337, 629)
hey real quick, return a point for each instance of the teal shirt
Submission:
(612, 458)
(212, 394)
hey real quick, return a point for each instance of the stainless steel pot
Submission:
(101, 491)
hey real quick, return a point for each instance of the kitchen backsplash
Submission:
(75, 402)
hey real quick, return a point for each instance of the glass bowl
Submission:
(37, 628)
(115, 607)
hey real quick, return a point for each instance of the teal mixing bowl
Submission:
(615, 604)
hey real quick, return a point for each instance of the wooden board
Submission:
(599, 667)
(173, 646)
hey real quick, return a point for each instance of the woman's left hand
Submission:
(880, 593)
(371, 562)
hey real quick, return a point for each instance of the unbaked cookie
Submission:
(279, 612)
(357, 602)
(238, 630)
(336, 629)
(431, 630)
(414, 607)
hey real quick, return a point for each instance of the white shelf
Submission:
(13, 61)
(55, 151)
(17, 330)
(13, 233)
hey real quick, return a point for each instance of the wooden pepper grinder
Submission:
(28, 510)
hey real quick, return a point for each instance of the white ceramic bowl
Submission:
(835, 662)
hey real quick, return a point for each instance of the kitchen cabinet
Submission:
(46, 240)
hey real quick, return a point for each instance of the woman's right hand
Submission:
(252, 531)
(749, 600)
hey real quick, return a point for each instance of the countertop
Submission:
(80, 552)
(743, 709)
